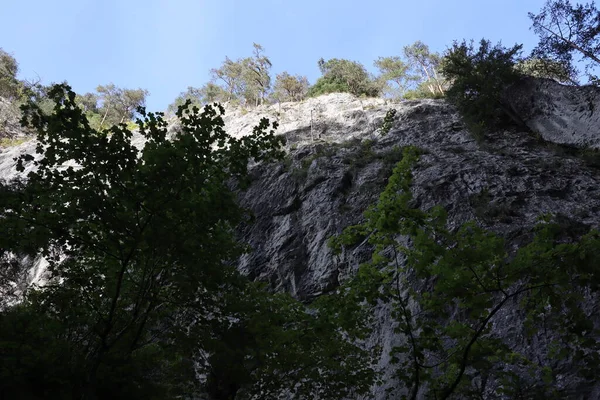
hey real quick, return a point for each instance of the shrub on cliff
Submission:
(341, 75)
(478, 77)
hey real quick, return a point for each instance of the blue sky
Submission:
(165, 46)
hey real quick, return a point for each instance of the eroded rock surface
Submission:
(504, 184)
(332, 176)
(559, 113)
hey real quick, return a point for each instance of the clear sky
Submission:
(165, 46)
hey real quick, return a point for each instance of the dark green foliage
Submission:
(277, 345)
(569, 34)
(326, 85)
(14, 92)
(362, 156)
(341, 75)
(447, 286)
(36, 356)
(388, 122)
(479, 77)
(142, 283)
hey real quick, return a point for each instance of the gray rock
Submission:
(332, 176)
(325, 186)
(559, 113)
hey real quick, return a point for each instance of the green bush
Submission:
(345, 76)
(479, 77)
(325, 85)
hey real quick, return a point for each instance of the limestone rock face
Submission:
(326, 185)
(559, 113)
(331, 177)
(336, 115)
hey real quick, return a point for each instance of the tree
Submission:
(118, 105)
(207, 94)
(231, 74)
(129, 101)
(9, 85)
(566, 30)
(426, 63)
(423, 91)
(142, 292)
(245, 79)
(88, 102)
(478, 79)
(545, 68)
(344, 76)
(325, 85)
(445, 287)
(10, 91)
(395, 70)
(258, 79)
(211, 93)
(290, 88)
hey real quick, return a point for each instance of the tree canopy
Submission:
(394, 69)
(289, 87)
(545, 68)
(207, 94)
(111, 105)
(141, 292)
(426, 63)
(141, 297)
(246, 79)
(478, 77)
(569, 35)
(340, 75)
(9, 85)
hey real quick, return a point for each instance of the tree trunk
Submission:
(437, 81)
(426, 71)
(573, 45)
(431, 89)
(429, 86)
(103, 118)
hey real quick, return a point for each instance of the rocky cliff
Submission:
(504, 184)
(559, 113)
(338, 163)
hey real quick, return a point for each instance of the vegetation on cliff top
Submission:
(142, 295)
